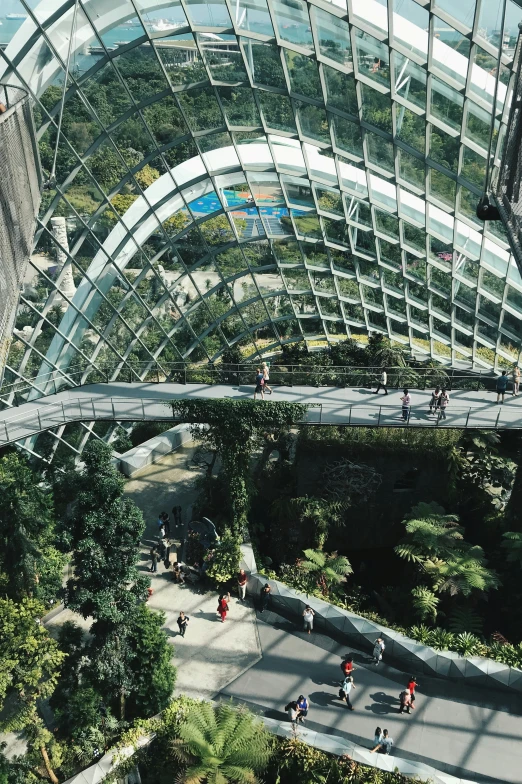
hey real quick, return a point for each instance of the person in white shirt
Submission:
(383, 381)
(378, 650)
(406, 403)
(308, 618)
(346, 687)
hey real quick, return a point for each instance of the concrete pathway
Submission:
(212, 654)
(462, 731)
(332, 405)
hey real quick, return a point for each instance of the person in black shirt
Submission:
(182, 623)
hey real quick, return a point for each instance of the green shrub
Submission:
(225, 558)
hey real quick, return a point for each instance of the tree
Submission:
(128, 652)
(106, 530)
(30, 662)
(326, 569)
(220, 745)
(30, 564)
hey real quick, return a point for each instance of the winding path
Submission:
(463, 731)
(360, 407)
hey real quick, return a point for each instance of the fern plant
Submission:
(327, 569)
(220, 745)
(513, 545)
(424, 602)
(464, 619)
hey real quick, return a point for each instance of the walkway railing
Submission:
(35, 418)
(281, 375)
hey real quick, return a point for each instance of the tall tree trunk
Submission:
(50, 771)
(122, 704)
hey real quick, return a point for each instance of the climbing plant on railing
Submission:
(230, 428)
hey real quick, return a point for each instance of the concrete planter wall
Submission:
(400, 650)
(153, 449)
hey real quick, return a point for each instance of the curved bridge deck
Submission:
(119, 401)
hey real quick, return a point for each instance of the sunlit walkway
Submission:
(330, 406)
(469, 733)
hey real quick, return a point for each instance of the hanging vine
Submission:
(229, 428)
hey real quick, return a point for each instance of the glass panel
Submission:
(304, 78)
(340, 91)
(372, 58)
(293, 22)
(334, 37)
(446, 103)
(410, 81)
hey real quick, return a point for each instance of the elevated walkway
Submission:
(119, 401)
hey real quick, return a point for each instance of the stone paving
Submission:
(212, 654)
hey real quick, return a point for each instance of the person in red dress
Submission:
(222, 607)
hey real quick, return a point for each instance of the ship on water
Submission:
(13, 17)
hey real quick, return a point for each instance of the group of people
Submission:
(262, 379)
(440, 395)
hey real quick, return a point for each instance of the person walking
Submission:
(502, 382)
(347, 665)
(405, 700)
(222, 607)
(161, 549)
(302, 707)
(385, 744)
(182, 623)
(266, 377)
(308, 618)
(378, 736)
(383, 382)
(516, 380)
(154, 560)
(412, 685)
(378, 650)
(260, 385)
(265, 596)
(344, 692)
(242, 584)
(443, 403)
(406, 403)
(435, 399)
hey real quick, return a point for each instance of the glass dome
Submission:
(259, 172)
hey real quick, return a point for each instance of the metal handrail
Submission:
(38, 418)
(281, 374)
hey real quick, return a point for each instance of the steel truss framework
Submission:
(258, 172)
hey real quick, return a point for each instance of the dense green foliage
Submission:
(129, 654)
(221, 745)
(212, 737)
(30, 563)
(225, 558)
(230, 428)
(30, 662)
